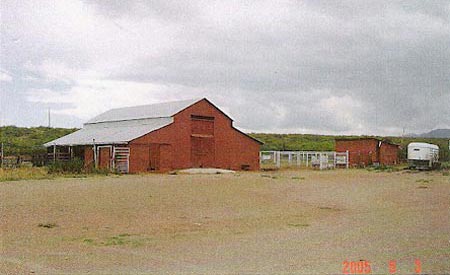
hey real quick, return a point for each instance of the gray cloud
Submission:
(365, 67)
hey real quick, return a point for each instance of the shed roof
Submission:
(117, 132)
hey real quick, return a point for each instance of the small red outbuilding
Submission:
(162, 137)
(368, 151)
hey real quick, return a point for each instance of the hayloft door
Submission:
(202, 141)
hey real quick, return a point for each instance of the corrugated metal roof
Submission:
(118, 132)
(166, 109)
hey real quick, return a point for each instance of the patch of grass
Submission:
(121, 239)
(115, 240)
(424, 180)
(47, 225)
(446, 173)
(51, 172)
(269, 176)
(422, 187)
(298, 224)
(384, 168)
(298, 178)
(23, 173)
(88, 241)
(328, 208)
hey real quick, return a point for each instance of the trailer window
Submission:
(417, 149)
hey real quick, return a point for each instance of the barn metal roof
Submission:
(166, 109)
(117, 132)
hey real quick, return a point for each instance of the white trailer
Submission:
(423, 156)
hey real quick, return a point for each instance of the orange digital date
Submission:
(358, 267)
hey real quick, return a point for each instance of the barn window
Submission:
(208, 118)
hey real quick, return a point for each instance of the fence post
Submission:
(278, 159)
(54, 153)
(346, 159)
(95, 153)
(334, 159)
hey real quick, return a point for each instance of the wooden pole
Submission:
(54, 152)
(95, 153)
(1, 156)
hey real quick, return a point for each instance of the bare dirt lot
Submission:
(268, 222)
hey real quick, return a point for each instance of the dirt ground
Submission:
(293, 221)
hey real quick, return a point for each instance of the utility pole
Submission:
(49, 119)
(1, 156)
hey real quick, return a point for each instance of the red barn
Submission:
(368, 151)
(161, 137)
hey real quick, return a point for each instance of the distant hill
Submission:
(438, 133)
(27, 141)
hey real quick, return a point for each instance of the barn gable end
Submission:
(202, 136)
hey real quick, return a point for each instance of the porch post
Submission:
(54, 152)
(95, 153)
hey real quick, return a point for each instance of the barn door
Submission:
(202, 141)
(104, 157)
(202, 151)
(154, 157)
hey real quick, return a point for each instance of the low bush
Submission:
(75, 166)
(445, 165)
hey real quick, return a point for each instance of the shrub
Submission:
(445, 165)
(75, 166)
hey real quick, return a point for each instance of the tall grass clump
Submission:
(75, 166)
(11, 174)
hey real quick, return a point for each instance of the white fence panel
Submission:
(315, 159)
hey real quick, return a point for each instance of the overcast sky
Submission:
(329, 67)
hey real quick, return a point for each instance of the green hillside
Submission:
(27, 141)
